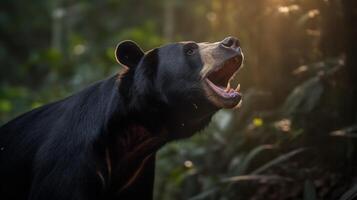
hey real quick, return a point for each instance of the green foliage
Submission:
(277, 161)
(242, 166)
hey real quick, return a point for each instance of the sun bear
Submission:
(100, 143)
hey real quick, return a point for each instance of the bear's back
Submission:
(44, 137)
(19, 141)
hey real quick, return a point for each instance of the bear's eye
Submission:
(190, 52)
(190, 48)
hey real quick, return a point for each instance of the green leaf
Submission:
(350, 194)
(278, 160)
(243, 166)
(304, 98)
(5, 105)
(260, 178)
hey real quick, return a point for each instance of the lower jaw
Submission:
(219, 101)
(230, 104)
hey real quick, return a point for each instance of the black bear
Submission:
(100, 143)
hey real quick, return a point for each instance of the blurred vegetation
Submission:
(293, 138)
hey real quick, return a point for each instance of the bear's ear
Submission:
(128, 53)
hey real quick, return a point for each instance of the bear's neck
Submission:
(131, 136)
(129, 150)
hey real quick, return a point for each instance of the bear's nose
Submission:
(231, 42)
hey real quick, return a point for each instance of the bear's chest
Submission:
(128, 157)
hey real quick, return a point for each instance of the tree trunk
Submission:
(169, 20)
(350, 20)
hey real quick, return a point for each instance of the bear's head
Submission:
(179, 85)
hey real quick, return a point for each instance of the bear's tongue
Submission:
(227, 92)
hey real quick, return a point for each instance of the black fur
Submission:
(100, 143)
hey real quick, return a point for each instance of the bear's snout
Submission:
(231, 42)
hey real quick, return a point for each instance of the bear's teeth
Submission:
(228, 87)
(238, 88)
(238, 105)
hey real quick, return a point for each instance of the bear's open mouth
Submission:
(219, 80)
